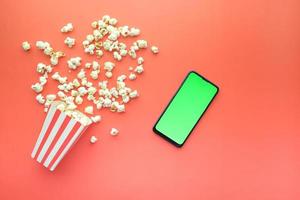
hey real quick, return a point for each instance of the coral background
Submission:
(245, 147)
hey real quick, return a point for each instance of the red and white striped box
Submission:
(59, 133)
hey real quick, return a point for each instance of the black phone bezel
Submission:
(169, 139)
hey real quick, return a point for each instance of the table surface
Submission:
(245, 147)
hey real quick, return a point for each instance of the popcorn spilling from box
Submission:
(93, 84)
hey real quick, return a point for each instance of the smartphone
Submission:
(185, 108)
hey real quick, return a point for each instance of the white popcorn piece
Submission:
(61, 94)
(96, 118)
(103, 84)
(107, 44)
(108, 74)
(67, 28)
(99, 53)
(38, 87)
(114, 131)
(109, 66)
(94, 74)
(26, 46)
(123, 52)
(130, 68)
(125, 98)
(73, 63)
(139, 69)
(74, 93)
(134, 32)
(142, 44)
(55, 76)
(124, 31)
(113, 21)
(78, 100)
(94, 24)
(70, 42)
(81, 74)
(117, 56)
(140, 60)
(82, 91)
(132, 53)
(90, 38)
(88, 65)
(133, 94)
(132, 76)
(92, 90)
(62, 80)
(76, 83)
(90, 49)
(71, 106)
(40, 98)
(95, 65)
(42, 45)
(51, 97)
(106, 18)
(54, 60)
(43, 80)
(41, 68)
(154, 49)
(93, 139)
(85, 43)
(121, 77)
(89, 110)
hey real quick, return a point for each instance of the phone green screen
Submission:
(185, 109)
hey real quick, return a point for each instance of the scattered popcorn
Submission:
(70, 42)
(89, 110)
(26, 46)
(154, 49)
(67, 28)
(114, 131)
(106, 37)
(93, 140)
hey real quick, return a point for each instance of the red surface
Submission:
(247, 145)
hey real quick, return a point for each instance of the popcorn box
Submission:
(60, 131)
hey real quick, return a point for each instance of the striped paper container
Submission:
(59, 133)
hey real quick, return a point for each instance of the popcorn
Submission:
(38, 87)
(81, 74)
(88, 65)
(114, 132)
(93, 139)
(76, 83)
(51, 97)
(26, 46)
(154, 49)
(73, 63)
(90, 49)
(94, 74)
(41, 68)
(117, 56)
(43, 80)
(108, 74)
(142, 44)
(96, 118)
(40, 98)
(61, 94)
(139, 69)
(109, 66)
(121, 78)
(140, 60)
(89, 110)
(78, 100)
(70, 42)
(132, 76)
(82, 91)
(134, 32)
(67, 28)
(95, 65)
(113, 21)
(133, 94)
(42, 45)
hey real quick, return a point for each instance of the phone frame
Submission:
(166, 137)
